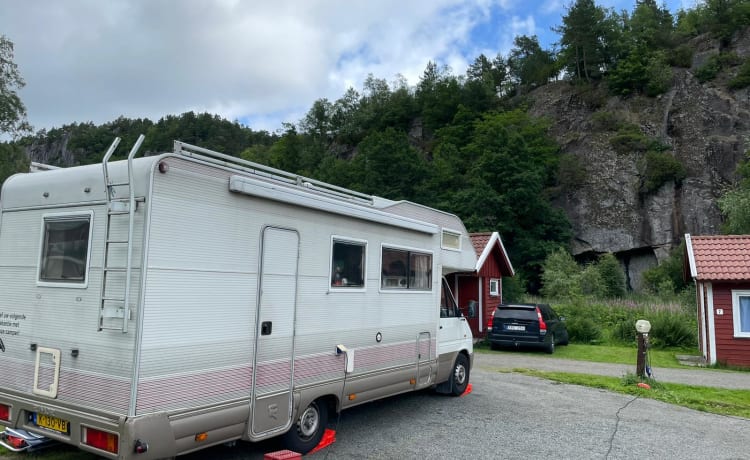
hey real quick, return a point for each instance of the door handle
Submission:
(266, 327)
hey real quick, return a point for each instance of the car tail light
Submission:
(542, 324)
(4, 412)
(100, 439)
(490, 321)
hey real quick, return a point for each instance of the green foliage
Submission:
(682, 56)
(583, 330)
(561, 276)
(606, 121)
(715, 64)
(612, 276)
(584, 40)
(735, 205)
(629, 138)
(513, 289)
(529, 64)
(666, 279)
(12, 160)
(661, 168)
(12, 110)
(670, 330)
(571, 172)
(742, 79)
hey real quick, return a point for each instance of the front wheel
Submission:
(460, 375)
(307, 430)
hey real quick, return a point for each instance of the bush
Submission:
(583, 330)
(673, 330)
(742, 79)
(612, 276)
(682, 56)
(606, 121)
(659, 169)
(658, 75)
(709, 70)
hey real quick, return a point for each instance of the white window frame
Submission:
(407, 249)
(736, 313)
(445, 231)
(347, 240)
(65, 215)
(496, 291)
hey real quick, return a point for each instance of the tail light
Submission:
(542, 324)
(490, 321)
(4, 412)
(100, 439)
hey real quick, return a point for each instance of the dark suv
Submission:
(532, 324)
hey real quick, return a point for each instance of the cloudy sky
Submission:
(261, 62)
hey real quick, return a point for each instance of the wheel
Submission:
(460, 375)
(551, 345)
(307, 431)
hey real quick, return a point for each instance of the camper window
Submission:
(65, 249)
(348, 264)
(404, 269)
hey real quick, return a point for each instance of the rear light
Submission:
(16, 442)
(100, 439)
(490, 321)
(4, 412)
(542, 324)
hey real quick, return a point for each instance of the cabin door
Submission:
(273, 372)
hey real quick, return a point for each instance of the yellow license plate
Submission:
(52, 423)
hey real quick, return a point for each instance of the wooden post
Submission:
(640, 365)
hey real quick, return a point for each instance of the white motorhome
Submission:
(155, 306)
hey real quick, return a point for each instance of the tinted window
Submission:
(348, 265)
(516, 313)
(65, 249)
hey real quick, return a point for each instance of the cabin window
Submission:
(65, 248)
(348, 264)
(741, 313)
(404, 269)
(494, 287)
(448, 306)
(451, 240)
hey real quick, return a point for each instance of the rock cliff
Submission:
(705, 126)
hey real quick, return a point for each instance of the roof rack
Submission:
(267, 172)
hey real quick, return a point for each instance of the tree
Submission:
(12, 110)
(12, 160)
(583, 42)
(529, 64)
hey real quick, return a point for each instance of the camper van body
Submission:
(155, 306)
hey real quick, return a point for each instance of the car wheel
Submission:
(460, 375)
(307, 431)
(551, 345)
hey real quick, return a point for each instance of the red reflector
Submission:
(100, 439)
(542, 324)
(4, 412)
(16, 443)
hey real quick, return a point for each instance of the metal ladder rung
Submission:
(114, 299)
(118, 184)
(115, 269)
(117, 241)
(117, 213)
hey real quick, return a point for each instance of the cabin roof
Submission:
(485, 243)
(717, 257)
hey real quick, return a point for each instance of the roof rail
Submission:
(39, 167)
(267, 172)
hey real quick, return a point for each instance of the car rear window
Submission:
(516, 313)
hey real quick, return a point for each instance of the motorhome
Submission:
(154, 306)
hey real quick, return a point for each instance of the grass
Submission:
(615, 354)
(713, 400)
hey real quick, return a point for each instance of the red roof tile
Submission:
(720, 257)
(479, 241)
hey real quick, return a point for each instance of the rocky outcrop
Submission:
(706, 127)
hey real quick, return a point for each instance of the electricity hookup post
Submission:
(643, 327)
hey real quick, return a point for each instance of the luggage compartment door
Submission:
(273, 370)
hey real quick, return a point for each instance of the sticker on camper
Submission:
(10, 323)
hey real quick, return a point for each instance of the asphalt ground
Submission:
(511, 415)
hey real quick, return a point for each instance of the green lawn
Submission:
(615, 354)
(714, 400)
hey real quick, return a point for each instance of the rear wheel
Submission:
(460, 375)
(551, 345)
(307, 430)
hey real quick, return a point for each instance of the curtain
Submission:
(421, 269)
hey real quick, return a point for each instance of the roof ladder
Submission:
(123, 204)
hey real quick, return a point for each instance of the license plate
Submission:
(513, 327)
(52, 423)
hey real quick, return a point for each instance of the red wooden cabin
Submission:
(720, 267)
(479, 292)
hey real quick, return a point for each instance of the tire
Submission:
(307, 431)
(551, 345)
(460, 375)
